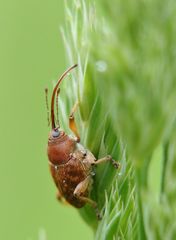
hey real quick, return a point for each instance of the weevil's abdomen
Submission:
(67, 177)
(59, 149)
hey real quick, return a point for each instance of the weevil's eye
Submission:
(55, 133)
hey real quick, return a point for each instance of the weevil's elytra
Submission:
(71, 165)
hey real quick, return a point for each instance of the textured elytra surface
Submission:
(67, 177)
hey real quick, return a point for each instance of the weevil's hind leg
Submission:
(107, 159)
(93, 204)
(72, 123)
(81, 189)
(61, 199)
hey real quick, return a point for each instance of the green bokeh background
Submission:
(31, 57)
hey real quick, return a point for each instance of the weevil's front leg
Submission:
(107, 159)
(72, 123)
(81, 189)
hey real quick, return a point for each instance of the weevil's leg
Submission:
(93, 204)
(61, 199)
(81, 189)
(72, 123)
(107, 159)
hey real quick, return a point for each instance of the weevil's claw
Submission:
(115, 164)
(59, 197)
(109, 158)
(98, 214)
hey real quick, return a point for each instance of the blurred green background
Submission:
(31, 57)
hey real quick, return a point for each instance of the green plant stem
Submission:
(141, 227)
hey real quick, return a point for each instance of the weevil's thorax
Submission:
(60, 148)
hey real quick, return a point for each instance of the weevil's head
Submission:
(60, 145)
(56, 133)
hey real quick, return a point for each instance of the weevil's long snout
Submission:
(53, 124)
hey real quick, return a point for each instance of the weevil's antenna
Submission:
(47, 105)
(54, 93)
(57, 106)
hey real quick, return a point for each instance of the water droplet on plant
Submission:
(101, 66)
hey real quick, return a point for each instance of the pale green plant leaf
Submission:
(125, 84)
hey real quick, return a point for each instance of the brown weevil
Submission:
(71, 165)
